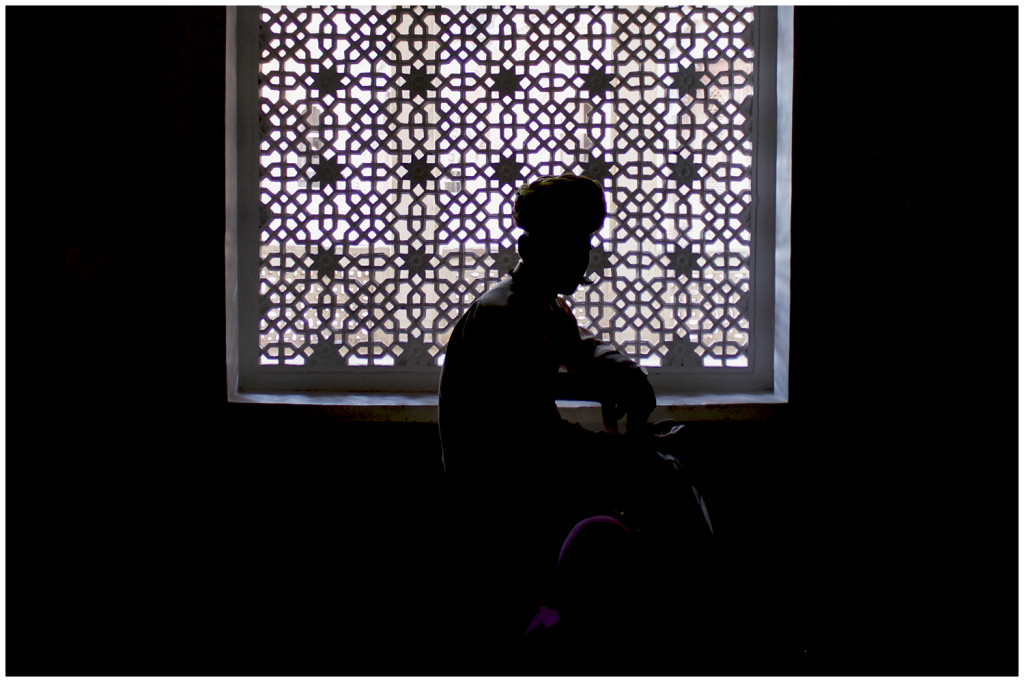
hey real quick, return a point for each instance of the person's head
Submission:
(558, 215)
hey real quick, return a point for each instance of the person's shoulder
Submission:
(495, 310)
(497, 297)
(487, 321)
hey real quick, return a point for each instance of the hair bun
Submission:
(559, 201)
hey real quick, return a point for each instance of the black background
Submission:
(154, 528)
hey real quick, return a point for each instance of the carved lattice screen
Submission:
(392, 139)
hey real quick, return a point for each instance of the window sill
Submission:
(422, 407)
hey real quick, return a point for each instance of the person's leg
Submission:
(595, 591)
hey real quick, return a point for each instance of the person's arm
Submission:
(607, 367)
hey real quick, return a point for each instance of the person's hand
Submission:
(634, 397)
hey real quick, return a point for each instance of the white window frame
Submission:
(392, 393)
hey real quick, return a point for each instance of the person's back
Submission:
(495, 383)
(498, 418)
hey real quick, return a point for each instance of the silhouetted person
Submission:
(523, 477)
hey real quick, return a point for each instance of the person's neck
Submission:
(531, 281)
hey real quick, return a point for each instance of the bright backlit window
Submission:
(377, 149)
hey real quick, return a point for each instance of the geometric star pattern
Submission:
(391, 139)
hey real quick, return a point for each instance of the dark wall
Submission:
(904, 240)
(155, 528)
